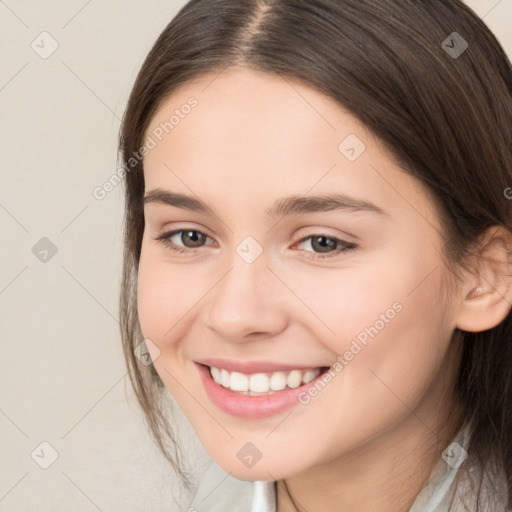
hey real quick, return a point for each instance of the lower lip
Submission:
(251, 407)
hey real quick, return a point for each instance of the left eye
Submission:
(322, 244)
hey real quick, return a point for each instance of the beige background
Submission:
(62, 375)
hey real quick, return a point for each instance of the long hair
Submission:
(426, 77)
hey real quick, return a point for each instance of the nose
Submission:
(247, 303)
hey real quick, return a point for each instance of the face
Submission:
(287, 257)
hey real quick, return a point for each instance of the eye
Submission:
(322, 246)
(183, 239)
(326, 246)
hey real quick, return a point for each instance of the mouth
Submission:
(255, 393)
(268, 383)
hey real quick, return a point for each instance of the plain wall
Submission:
(62, 375)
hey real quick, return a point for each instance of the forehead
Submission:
(252, 136)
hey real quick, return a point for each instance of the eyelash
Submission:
(164, 238)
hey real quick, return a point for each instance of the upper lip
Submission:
(250, 367)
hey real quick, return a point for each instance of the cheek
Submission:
(385, 319)
(166, 293)
(394, 340)
(391, 337)
(344, 303)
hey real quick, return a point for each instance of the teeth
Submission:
(239, 382)
(278, 381)
(216, 374)
(308, 376)
(224, 378)
(262, 383)
(294, 379)
(258, 382)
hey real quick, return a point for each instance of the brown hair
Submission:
(446, 118)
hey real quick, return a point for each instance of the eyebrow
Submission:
(293, 205)
(179, 200)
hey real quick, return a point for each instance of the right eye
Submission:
(183, 240)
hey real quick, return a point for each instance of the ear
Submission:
(487, 293)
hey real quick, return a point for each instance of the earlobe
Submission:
(489, 299)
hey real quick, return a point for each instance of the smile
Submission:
(258, 384)
(258, 392)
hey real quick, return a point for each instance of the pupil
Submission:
(323, 244)
(192, 238)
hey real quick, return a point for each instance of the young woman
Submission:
(317, 253)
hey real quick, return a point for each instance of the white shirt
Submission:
(220, 492)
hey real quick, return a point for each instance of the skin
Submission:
(369, 440)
